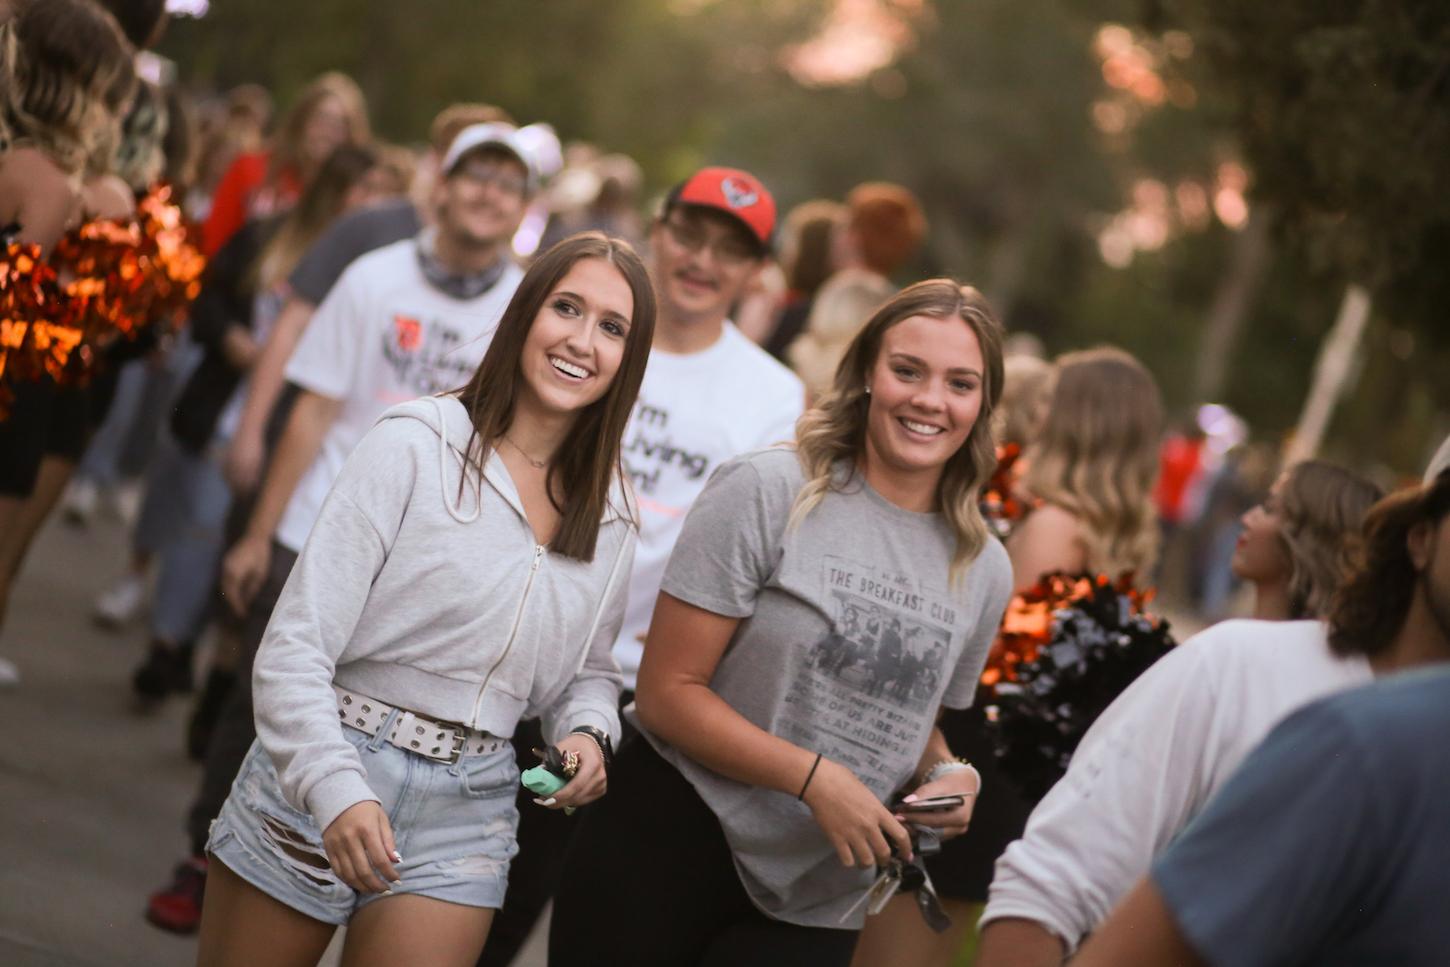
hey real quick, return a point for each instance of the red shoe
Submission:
(178, 907)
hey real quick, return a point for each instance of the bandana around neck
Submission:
(455, 285)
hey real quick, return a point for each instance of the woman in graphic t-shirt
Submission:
(746, 829)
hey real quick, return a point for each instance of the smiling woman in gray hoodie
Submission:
(468, 569)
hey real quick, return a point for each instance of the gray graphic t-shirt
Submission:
(851, 638)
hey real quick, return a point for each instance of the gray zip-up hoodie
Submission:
(443, 604)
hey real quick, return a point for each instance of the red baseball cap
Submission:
(733, 192)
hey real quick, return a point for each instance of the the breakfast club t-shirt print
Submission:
(851, 636)
(383, 336)
(867, 694)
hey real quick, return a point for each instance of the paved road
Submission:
(92, 794)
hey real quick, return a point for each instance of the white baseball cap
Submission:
(1439, 463)
(496, 135)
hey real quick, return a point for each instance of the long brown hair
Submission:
(1323, 506)
(1096, 456)
(1369, 608)
(66, 71)
(287, 143)
(321, 202)
(834, 430)
(588, 461)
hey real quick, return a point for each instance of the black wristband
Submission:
(601, 739)
(814, 766)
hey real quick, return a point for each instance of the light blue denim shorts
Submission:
(455, 826)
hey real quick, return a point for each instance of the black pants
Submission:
(235, 728)
(650, 880)
(544, 836)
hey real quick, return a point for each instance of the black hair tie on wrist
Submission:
(601, 739)
(814, 766)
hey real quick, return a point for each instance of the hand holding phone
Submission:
(931, 804)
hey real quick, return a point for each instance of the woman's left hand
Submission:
(588, 783)
(960, 782)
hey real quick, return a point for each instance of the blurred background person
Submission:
(309, 283)
(187, 497)
(885, 228)
(594, 192)
(70, 80)
(1298, 859)
(330, 112)
(1164, 746)
(236, 126)
(808, 258)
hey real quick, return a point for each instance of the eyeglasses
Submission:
(489, 173)
(693, 237)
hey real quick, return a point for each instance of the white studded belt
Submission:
(440, 741)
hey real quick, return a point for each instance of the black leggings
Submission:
(650, 880)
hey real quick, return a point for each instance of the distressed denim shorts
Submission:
(455, 826)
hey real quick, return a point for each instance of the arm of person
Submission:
(592, 697)
(1141, 933)
(35, 193)
(1134, 782)
(247, 452)
(245, 566)
(1286, 854)
(319, 771)
(1046, 541)
(674, 701)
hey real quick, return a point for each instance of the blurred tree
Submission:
(1342, 108)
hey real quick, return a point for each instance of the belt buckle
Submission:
(460, 743)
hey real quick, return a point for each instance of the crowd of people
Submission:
(500, 498)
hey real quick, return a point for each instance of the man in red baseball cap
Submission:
(708, 394)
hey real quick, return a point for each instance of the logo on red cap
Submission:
(736, 194)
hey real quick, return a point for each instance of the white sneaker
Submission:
(80, 500)
(9, 674)
(120, 604)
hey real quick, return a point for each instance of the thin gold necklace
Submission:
(538, 464)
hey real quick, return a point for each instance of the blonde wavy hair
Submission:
(834, 430)
(1097, 457)
(1323, 507)
(66, 75)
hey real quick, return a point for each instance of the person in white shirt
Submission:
(1164, 746)
(709, 393)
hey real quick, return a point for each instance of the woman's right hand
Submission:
(360, 845)
(852, 817)
(242, 465)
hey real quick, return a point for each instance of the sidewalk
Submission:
(92, 794)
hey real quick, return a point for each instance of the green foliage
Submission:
(1341, 109)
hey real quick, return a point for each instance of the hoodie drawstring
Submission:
(454, 511)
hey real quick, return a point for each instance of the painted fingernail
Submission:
(538, 802)
(386, 893)
(397, 857)
(550, 801)
(910, 798)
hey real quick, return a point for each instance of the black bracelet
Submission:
(601, 739)
(814, 766)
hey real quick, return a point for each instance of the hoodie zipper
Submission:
(518, 620)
